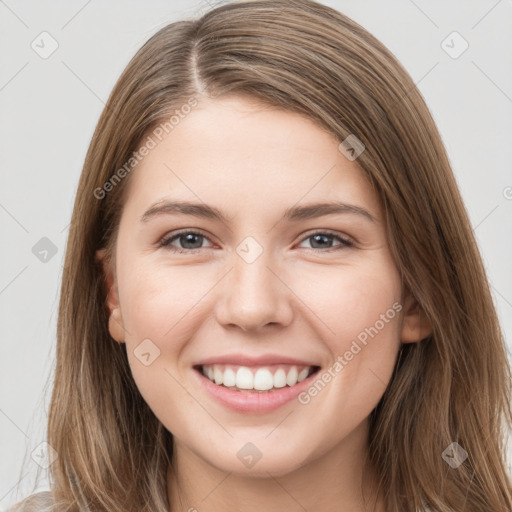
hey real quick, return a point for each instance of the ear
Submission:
(416, 326)
(115, 321)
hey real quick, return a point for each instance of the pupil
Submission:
(190, 238)
(316, 238)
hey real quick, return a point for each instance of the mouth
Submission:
(256, 380)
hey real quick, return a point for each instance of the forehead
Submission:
(240, 151)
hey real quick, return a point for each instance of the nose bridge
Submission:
(253, 296)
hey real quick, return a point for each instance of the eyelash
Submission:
(166, 241)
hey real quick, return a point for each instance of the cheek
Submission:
(362, 307)
(158, 304)
(348, 301)
(159, 300)
(162, 307)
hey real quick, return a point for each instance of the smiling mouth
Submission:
(264, 379)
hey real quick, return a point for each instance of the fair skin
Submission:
(297, 299)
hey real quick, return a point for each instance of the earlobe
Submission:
(115, 321)
(416, 326)
(115, 325)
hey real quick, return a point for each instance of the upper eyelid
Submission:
(171, 234)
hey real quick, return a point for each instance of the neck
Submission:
(334, 480)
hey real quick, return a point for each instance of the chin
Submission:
(249, 461)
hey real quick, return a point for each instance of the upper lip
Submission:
(245, 360)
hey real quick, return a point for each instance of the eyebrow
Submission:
(295, 213)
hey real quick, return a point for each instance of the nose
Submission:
(254, 295)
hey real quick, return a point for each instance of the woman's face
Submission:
(270, 278)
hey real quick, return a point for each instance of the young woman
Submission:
(272, 296)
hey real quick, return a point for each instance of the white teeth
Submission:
(217, 375)
(229, 378)
(280, 378)
(263, 380)
(291, 378)
(243, 378)
(302, 375)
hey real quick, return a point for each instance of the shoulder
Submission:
(38, 502)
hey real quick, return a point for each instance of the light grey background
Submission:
(49, 108)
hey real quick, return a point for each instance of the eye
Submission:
(190, 241)
(321, 240)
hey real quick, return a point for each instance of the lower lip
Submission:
(254, 402)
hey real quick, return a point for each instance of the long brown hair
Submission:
(452, 387)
